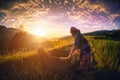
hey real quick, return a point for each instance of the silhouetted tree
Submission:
(2, 27)
(20, 40)
(3, 39)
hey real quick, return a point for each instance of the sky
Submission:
(53, 18)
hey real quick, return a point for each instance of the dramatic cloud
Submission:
(88, 15)
(7, 4)
(117, 21)
(2, 15)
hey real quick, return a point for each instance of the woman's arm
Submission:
(72, 50)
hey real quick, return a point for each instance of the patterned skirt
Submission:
(84, 62)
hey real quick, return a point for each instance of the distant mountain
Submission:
(95, 33)
(6, 34)
(112, 34)
(98, 33)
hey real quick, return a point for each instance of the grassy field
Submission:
(25, 65)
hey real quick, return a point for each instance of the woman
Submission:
(80, 45)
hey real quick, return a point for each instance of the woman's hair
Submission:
(74, 30)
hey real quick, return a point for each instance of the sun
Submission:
(39, 32)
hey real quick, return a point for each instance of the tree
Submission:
(20, 40)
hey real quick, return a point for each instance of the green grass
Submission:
(16, 56)
(106, 53)
(25, 65)
(48, 45)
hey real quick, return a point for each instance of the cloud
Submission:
(2, 15)
(111, 6)
(100, 14)
(87, 13)
(95, 12)
(117, 21)
(7, 4)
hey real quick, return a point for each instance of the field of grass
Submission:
(25, 65)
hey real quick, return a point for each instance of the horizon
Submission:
(60, 36)
(53, 18)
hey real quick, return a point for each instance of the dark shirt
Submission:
(85, 55)
(81, 43)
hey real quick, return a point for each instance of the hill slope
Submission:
(113, 34)
(6, 35)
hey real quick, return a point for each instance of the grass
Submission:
(23, 65)
(17, 55)
(106, 53)
(48, 45)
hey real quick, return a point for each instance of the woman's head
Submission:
(74, 30)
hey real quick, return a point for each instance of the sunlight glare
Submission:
(39, 32)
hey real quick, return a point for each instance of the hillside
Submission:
(16, 37)
(26, 65)
(111, 34)
(6, 35)
(98, 33)
(114, 35)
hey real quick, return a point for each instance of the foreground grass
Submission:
(27, 66)
(17, 56)
(106, 53)
(49, 45)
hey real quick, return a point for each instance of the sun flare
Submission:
(39, 32)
